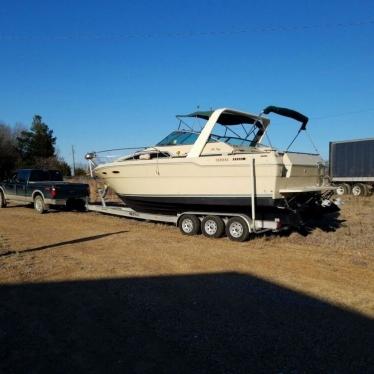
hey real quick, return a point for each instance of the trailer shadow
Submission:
(201, 323)
(60, 244)
(51, 210)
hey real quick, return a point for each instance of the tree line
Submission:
(29, 148)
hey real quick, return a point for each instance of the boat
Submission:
(219, 163)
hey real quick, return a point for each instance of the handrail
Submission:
(253, 197)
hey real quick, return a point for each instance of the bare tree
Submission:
(8, 152)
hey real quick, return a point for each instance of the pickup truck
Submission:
(43, 188)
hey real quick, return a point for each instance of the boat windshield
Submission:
(232, 140)
(179, 138)
(188, 138)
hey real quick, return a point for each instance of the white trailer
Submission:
(352, 166)
(237, 226)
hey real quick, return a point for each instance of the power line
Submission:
(176, 34)
(342, 114)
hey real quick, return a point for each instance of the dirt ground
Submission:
(87, 292)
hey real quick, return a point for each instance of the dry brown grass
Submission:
(4, 245)
(283, 303)
(94, 287)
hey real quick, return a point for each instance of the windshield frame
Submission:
(189, 137)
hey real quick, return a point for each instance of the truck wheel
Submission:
(212, 226)
(343, 189)
(39, 204)
(237, 229)
(189, 224)
(2, 200)
(359, 190)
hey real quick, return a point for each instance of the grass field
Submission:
(86, 292)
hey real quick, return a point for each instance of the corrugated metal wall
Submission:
(352, 159)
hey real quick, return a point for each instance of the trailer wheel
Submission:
(2, 200)
(39, 204)
(212, 226)
(343, 189)
(366, 189)
(359, 189)
(370, 189)
(237, 229)
(189, 224)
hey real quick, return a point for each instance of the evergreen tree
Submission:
(36, 143)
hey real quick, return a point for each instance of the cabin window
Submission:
(148, 156)
(45, 175)
(22, 176)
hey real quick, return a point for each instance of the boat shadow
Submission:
(328, 223)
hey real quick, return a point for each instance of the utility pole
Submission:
(73, 153)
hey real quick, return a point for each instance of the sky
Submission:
(109, 74)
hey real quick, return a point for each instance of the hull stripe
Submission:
(177, 204)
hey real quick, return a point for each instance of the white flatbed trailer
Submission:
(238, 226)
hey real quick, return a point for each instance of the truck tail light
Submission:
(278, 223)
(53, 192)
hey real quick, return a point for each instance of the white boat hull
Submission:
(221, 183)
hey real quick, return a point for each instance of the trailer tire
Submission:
(359, 189)
(212, 226)
(366, 189)
(39, 204)
(237, 229)
(343, 189)
(189, 224)
(370, 189)
(2, 200)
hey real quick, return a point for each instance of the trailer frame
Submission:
(258, 226)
